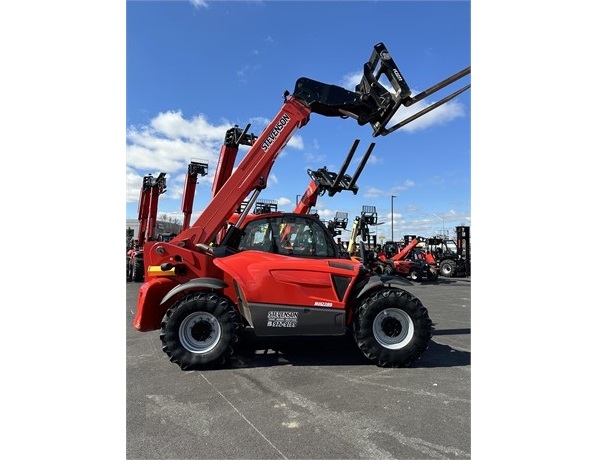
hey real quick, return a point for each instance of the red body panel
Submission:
(286, 280)
(149, 313)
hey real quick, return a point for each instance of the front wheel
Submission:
(416, 274)
(392, 328)
(199, 330)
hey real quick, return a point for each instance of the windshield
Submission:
(288, 235)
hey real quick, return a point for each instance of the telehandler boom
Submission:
(323, 181)
(195, 169)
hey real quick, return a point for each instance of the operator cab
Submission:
(299, 235)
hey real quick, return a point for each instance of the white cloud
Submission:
(170, 141)
(296, 142)
(374, 192)
(199, 3)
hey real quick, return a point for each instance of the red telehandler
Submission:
(151, 189)
(411, 261)
(235, 137)
(323, 181)
(200, 294)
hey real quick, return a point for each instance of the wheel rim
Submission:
(393, 328)
(200, 332)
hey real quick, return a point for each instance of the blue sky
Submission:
(195, 69)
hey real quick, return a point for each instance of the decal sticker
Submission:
(322, 304)
(282, 318)
(275, 132)
(397, 74)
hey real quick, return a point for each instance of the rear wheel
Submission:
(447, 268)
(199, 331)
(392, 328)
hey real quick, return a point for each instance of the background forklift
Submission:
(360, 228)
(453, 257)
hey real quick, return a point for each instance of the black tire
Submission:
(432, 275)
(392, 328)
(129, 271)
(416, 274)
(199, 331)
(387, 270)
(447, 268)
(137, 271)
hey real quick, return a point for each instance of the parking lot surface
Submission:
(313, 398)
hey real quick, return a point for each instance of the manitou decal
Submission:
(282, 318)
(275, 132)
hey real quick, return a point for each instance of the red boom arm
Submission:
(188, 197)
(251, 174)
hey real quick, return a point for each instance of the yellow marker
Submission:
(156, 270)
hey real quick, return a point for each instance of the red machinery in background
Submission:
(411, 261)
(195, 169)
(453, 257)
(324, 181)
(151, 189)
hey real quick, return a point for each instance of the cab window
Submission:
(288, 235)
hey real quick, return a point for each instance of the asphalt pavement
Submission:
(314, 398)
